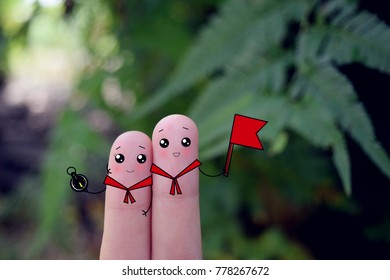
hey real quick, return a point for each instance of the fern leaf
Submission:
(314, 123)
(237, 92)
(350, 37)
(234, 37)
(241, 24)
(267, 75)
(336, 94)
(342, 163)
(309, 47)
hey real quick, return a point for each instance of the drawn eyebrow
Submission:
(161, 130)
(185, 128)
(141, 147)
(118, 148)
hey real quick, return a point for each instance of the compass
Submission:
(78, 182)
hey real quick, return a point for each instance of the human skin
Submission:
(127, 232)
(176, 219)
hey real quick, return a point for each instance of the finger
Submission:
(175, 221)
(126, 232)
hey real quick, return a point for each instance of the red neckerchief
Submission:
(141, 184)
(175, 184)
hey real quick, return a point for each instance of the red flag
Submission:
(244, 133)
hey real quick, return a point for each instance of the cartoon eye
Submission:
(141, 158)
(186, 142)
(119, 158)
(164, 143)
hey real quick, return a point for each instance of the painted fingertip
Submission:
(176, 216)
(129, 165)
(175, 143)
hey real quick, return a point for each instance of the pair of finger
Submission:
(171, 229)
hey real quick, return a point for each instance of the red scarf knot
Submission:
(175, 184)
(141, 184)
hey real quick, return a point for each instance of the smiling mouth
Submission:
(176, 154)
(129, 171)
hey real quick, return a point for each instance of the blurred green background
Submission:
(76, 74)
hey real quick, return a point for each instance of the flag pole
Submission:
(228, 159)
(244, 133)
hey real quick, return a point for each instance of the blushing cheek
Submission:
(117, 168)
(143, 167)
(187, 152)
(163, 153)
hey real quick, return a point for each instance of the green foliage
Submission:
(354, 36)
(137, 61)
(54, 200)
(245, 57)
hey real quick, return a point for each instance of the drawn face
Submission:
(175, 140)
(130, 157)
